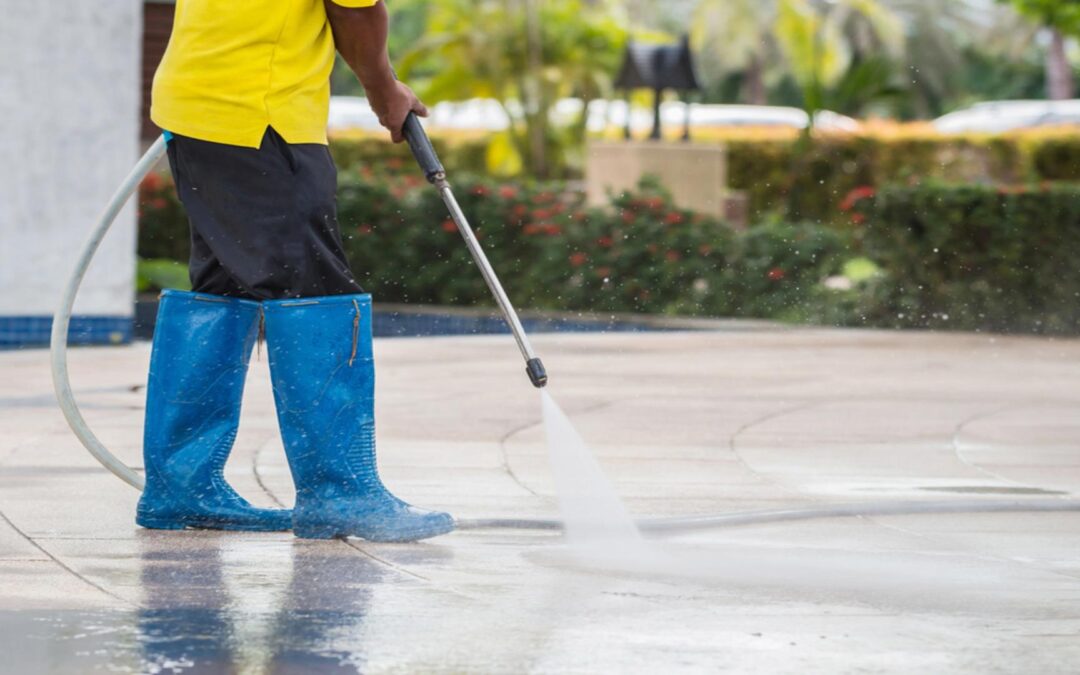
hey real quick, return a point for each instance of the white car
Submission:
(351, 112)
(996, 116)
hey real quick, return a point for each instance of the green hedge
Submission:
(808, 183)
(641, 254)
(1057, 159)
(974, 257)
(928, 255)
(804, 182)
(638, 254)
(375, 154)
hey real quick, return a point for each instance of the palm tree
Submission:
(523, 53)
(1061, 18)
(738, 35)
(813, 41)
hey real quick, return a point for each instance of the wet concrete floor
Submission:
(683, 423)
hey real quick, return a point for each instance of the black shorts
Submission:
(263, 221)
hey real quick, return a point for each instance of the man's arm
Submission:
(360, 36)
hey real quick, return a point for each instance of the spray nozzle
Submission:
(535, 368)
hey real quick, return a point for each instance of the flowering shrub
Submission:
(777, 266)
(551, 251)
(638, 254)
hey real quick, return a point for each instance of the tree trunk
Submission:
(1059, 77)
(754, 82)
(537, 115)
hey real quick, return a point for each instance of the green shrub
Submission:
(777, 267)
(159, 274)
(975, 257)
(1057, 159)
(808, 183)
(642, 254)
(638, 254)
(379, 155)
(163, 229)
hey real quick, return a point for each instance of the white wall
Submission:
(69, 106)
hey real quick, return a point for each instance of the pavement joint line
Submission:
(386, 563)
(258, 477)
(62, 565)
(955, 442)
(517, 430)
(733, 443)
(875, 519)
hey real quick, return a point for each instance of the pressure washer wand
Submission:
(433, 170)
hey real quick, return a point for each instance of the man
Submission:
(243, 92)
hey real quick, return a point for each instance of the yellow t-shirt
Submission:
(234, 67)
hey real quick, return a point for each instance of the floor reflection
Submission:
(320, 628)
(215, 603)
(183, 623)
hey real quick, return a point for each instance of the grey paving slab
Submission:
(682, 423)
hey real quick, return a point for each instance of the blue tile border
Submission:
(34, 331)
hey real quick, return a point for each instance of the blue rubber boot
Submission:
(202, 344)
(324, 387)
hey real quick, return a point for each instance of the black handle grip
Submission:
(422, 149)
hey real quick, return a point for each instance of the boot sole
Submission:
(154, 523)
(336, 532)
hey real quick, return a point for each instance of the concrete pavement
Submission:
(684, 424)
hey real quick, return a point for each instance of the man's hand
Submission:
(392, 103)
(360, 35)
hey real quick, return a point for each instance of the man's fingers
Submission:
(395, 131)
(419, 108)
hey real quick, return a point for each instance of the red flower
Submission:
(578, 259)
(449, 226)
(364, 228)
(704, 249)
(543, 197)
(855, 196)
(480, 190)
(673, 218)
(507, 192)
(603, 272)
(531, 229)
(605, 242)
(672, 256)
(858, 218)
(551, 229)
(628, 217)
(542, 214)
(519, 210)
(776, 274)
(654, 203)
(152, 182)
(158, 203)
